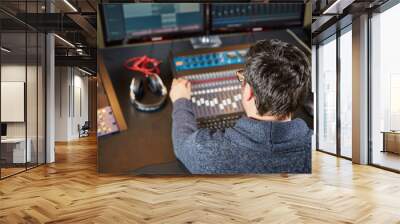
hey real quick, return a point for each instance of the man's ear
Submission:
(248, 92)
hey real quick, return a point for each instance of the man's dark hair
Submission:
(279, 74)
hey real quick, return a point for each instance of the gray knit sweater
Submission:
(251, 146)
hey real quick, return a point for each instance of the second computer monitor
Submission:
(247, 17)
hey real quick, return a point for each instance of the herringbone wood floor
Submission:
(70, 191)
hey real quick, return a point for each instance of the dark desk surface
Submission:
(148, 139)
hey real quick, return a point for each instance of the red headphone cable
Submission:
(145, 65)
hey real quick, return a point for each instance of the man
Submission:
(275, 80)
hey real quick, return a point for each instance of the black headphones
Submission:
(155, 85)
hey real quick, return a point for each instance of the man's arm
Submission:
(199, 156)
(183, 122)
(194, 147)
(184, 128)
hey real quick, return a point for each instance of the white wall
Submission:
(80, 105)
(13, 73)
(10, 73)
(71, 102)
(61, 103)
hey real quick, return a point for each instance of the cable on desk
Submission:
(144, 64)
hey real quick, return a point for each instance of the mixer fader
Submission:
(216, 91)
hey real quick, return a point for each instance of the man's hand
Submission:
(180, 88)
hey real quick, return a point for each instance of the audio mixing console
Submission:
(216, 92)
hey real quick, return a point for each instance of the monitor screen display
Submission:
(144, 21)
(236, 17)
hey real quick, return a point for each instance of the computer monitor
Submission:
(151, 21)
(242, 17)
(3, 129)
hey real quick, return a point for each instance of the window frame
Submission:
(338, 33)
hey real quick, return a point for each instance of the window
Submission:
(327, 95)
(346, 92)
(334, 106)
(385, 89)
